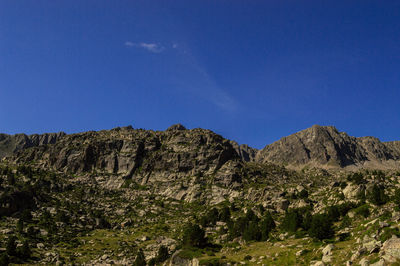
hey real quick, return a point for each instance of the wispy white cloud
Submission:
(199, 82)
(151, 47)
(129, 44)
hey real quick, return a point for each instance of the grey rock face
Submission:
(191, 157)
(245, 152)
(10, 144)
(326, 146)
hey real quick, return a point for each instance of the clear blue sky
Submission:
(252, 71)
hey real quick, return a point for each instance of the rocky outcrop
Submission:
(245, 152)
(391, 249)
(325, 146)
(176, 159)
(10, 144)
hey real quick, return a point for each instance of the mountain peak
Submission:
(325, 146)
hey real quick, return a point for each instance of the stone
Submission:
(391, 249)
(327, 250)
(352, 191)
(370, 244)
(301, 252)
(364, 262)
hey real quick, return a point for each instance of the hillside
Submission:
(191, 197)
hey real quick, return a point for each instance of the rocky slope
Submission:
(190, 197)
(170, 161)
(9, 144)
(325, 146)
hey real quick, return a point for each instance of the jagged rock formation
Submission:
(172, 160)
(325, 146)
(245, 152)
(10, 144)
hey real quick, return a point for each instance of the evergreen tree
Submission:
(11, 247)
(291, 221)
(252, 232)
(377, 195)
(225, 214)
(25, 251)
(162, 255)
(20, 226)
(321, 227)
(306, 223)
(266, 226)
(194, 236)
(26, 215)
(140, 259)
(396, 197)
(4, 259)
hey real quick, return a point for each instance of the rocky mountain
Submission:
(325, 146)
(189, 197)
(10, 144)
(246, 153)
(170, 161)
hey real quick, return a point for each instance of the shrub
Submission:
(333, 213)
(388, 233)
(162, 255)
(210, 218)
(377, 195)
(194, 236)
(356, 178)
(225, 214)
(4, 259)
(252, 232)
(20, 226)
(303, 194)
(396, 197)
(140, 259)
(11, 247)
(251, 216)
(26, 215)
(346, 222)
(306, 223)
(363, 210)
(291, 221)
(25, 252)
(236, 228)
(321, 227)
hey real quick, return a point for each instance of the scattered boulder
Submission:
(391, 249)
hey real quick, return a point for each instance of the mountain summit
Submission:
(325, 146)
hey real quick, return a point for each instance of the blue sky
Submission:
(252, 71)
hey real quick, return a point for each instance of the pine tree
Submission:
(11, 247)
(140, 259)
(321, 227)
(266, 226)
(194, 236)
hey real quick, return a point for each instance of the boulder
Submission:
(352, 191)
(178, 260)
(391, 249)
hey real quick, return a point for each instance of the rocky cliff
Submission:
(171, 161)
(325, 146)
(10, 144)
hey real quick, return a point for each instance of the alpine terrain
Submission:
(182, 196)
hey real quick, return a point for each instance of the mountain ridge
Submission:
(325, 146)
(319, 146)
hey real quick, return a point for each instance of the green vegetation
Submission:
(321, 227)
(377, 195)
